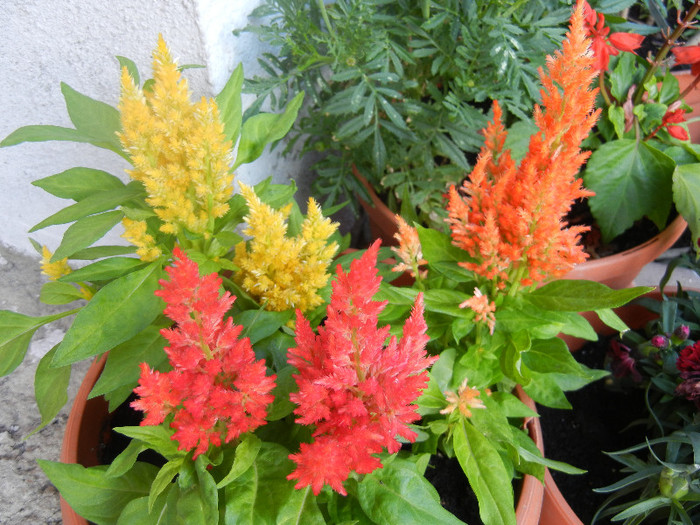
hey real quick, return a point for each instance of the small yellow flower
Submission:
(178, 149)
(135, 232)
(54, 270)
(284, 272)
(465, 400)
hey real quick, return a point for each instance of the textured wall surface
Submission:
(46, 42)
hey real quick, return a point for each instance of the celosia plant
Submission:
(643, 165)
(358, 393)
(493, 305)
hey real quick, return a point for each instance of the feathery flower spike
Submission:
(216, 390)
(358, 392)
(409, 250)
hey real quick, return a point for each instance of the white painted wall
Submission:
(44, 42)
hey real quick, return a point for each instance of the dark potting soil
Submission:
(448, 478)
(600, 421)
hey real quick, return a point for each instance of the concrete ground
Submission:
(26, 496)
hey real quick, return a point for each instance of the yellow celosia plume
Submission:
(178, 150)
(54, 270)
(279, 271)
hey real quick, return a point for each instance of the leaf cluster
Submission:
(398, 90)
(661, 482)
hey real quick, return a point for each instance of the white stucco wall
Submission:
(44, 42)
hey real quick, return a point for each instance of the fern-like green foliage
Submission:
(400, 89)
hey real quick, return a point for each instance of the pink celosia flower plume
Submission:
(358, 392)
(216, 390)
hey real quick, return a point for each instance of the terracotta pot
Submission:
(617, 271)
(82, 434)
(555, 509)
(81, 442)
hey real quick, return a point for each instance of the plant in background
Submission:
(642, 165)
(493, 304)
(397, 90)
(661, 482)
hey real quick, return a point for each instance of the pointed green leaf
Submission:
(96, 203)
(122, 365)
(631, 180)
(156, 437)
(93, 118)
(130, 66)
(581, 296)
(262, 129)
(92, 494)
(50, 389)
(16, 330)
(115, 314)
(229, 102)
(97, 252)
(85, 232)
(55, 292)
(686, 196)
(246, 452)
(163, 480)
(125, 460)
(301, 509)
(104, 270)
(486, 472)
(397, 494)
(39, 133)
(78, 183)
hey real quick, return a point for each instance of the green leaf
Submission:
(122, 365)
(93, 118)
(39, 133)
(686, 196)
(581, 296)
(259, 324)
(285, 384)
(198, 504)
(163, 480)
(260, 130)
(643, 507)
(156, 437)
(79, 183)
(130, 66)
(437, 246)
(126, 459)
(229, 102)
(256, 496)
(16, 331)
(97, 252)
(397, 494)
(50, 389)
(246, 452)
(544, 390)
(54, 292)
(85, 232)
(136, 511)
(96, 203)
(104, 270)
(92, 494)
(486, 472)
(115, 314)
(553, 357)
(631, 180)
(301, 509)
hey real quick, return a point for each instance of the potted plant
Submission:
(653, 477)
(285, 402)
(396, 91)
(494, 303)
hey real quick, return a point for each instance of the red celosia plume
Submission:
(216, 390)
(510, 218)
(358, 392)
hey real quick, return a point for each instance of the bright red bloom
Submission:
(688, 362)
(358, 392)
(603, 45)
(688, 55)
(216, 390)
(675, 116)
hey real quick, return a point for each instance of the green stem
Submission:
(668, 44)
(324, 14)
(604, 90)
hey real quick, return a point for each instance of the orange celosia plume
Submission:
(510, 218)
